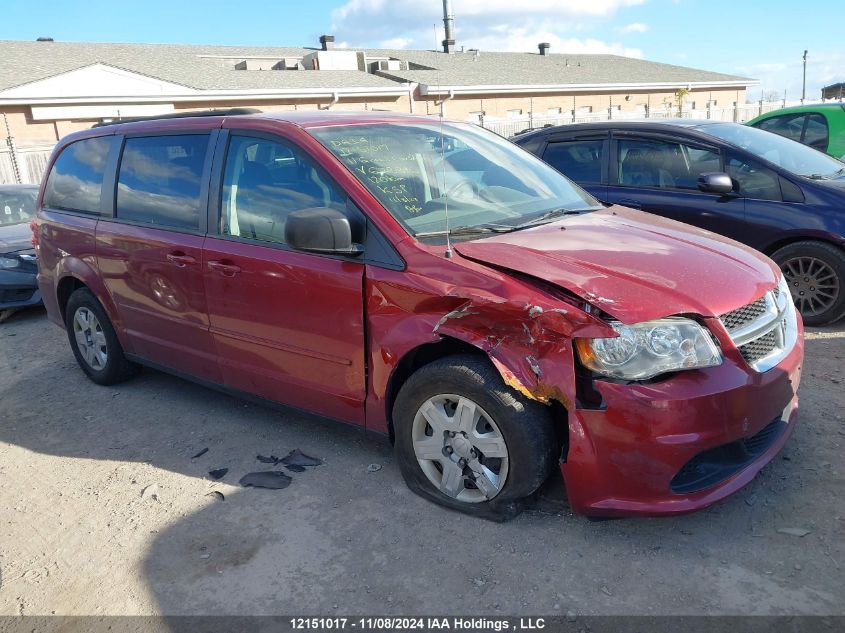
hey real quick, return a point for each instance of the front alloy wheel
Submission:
(460, 448)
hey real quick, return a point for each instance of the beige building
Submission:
(48, 89)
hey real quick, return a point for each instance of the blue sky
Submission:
(763, 40)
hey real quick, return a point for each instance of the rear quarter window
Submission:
(75, 182)
(160, 180)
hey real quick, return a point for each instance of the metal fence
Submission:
(739, 113)
(22, 165)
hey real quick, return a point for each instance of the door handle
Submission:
(180, 259)
(223, 267)
(633, 204)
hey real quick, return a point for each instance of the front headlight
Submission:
(644, 350)
(9, 261)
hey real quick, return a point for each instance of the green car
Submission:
(821, 126)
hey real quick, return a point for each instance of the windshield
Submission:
(16, 206)
(419, 170)
(791, 155)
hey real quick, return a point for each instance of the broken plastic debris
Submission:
(297, 458)
(794, 531)
(217, 495)
(268, 460)
(218, 473)
(272, 479)
(200, 454)
(373, 468)
(150, 491)
(294, 468)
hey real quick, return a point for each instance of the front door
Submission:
(288, 325)
(661, 176)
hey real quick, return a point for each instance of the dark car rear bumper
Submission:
(18, 289)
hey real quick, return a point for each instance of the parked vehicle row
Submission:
(18, 287)
(433, 282)
(773, 194)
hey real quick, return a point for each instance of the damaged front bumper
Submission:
(18, 289)
(680, 444)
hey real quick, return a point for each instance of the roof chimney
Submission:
(327, 42)
(544, 48)
(448, 24)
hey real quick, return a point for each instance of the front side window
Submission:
(580, 160)
(663, 164)
(420, 172)
(264, 182)
(75, 182)
(816, 132)
(160, 179)
(755, 181)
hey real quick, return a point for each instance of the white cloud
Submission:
(493, 25)
(633, 27)
(823, 68)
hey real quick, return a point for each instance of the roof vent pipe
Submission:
(327, 42)
(544, 48)
(448, 25)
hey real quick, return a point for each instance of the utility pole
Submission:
(804, 84)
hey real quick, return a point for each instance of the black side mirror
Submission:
(321, 230)
(716, 182)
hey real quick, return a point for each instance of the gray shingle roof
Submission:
(201, 67)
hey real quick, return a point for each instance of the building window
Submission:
(554, 111)
(584, 110)
(513, 114)
(476, 117)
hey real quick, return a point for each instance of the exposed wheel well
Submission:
(67, 287)
(772, 248)
(418, 357)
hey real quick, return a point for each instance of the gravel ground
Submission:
(104, 511)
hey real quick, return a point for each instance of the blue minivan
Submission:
(769, 192)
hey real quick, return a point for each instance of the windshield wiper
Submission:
(468, 230)
(548, 216)
(835, 174)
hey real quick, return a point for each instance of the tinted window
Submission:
(76, 179)
(579, 160)
(264, 182)
(788, 125)
(815, 134)
(755, 181)
(664, 164)
(160, 179)
(17, 205)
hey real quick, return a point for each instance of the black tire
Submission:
(525, 425)
(790, 257)
(116, 367)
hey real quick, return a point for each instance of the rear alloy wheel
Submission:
(467, 441)
(94, 341)
(815, 274)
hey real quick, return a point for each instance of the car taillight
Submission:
(33, 226)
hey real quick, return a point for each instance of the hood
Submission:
(15, 237)
(633, 265)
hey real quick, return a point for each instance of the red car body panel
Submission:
(331, 335)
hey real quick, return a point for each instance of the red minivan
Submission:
(430, 281)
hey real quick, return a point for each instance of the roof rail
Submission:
(183, 115)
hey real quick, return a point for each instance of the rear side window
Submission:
(75, 182)
(160, 179)
(579, 160)
(816, 133)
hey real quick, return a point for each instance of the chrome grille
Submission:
(759, 348)
(765, 330)
(744, 315)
